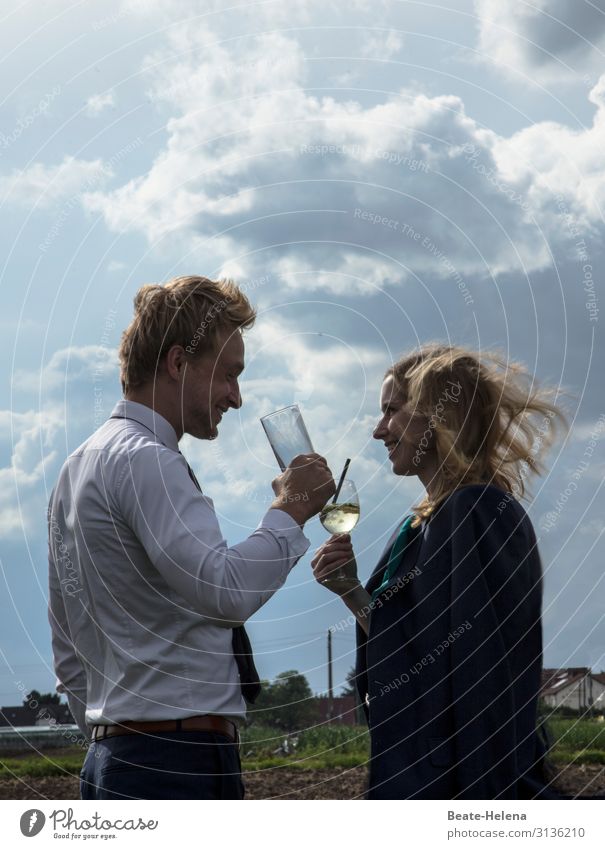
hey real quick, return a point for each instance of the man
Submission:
(147, 601)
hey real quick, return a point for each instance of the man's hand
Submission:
(336, 553)
(304, 487)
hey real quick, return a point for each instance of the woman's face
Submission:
(406, 435)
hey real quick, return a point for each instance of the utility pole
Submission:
(330, 679)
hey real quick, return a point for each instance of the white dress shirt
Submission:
(144, 590)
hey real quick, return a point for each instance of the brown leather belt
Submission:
(207, 722)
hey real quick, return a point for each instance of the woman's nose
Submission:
(379, 431)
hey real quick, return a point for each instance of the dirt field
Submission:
(293, 784)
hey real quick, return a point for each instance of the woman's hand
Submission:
(336, 553)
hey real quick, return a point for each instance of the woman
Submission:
(449, 625)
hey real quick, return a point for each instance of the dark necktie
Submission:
(242, 650)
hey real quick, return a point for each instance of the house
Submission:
(52, 714)
(576, 687)
(340, 710)
(17, 717)
(598, 690)
(22, 716)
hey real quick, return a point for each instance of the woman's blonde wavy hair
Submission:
(487, 421)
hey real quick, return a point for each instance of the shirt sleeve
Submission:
(71, 676)
(177, 526)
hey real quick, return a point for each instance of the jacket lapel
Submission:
(410, 555)
(376, 576)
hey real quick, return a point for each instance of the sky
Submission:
(377, 175)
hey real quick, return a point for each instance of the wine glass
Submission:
(340, 517)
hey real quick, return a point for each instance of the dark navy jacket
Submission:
(452, 663)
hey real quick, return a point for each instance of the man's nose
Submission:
(235, 397)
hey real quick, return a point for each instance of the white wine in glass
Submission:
(340, 518)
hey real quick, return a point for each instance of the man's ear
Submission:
(175, 362)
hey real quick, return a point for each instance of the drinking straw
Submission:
(341, 481)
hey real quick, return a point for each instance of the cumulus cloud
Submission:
(555, 161)
(98, 102)
(44, 185)
(116, 265)
(261, 170)
(547, 39)
(382, 45)
(76, 390)
(74, 365)
(27, 457)
(276, 12)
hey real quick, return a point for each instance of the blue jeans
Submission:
(171, 765)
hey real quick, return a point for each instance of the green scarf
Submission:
(395, 556)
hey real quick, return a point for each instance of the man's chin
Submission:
(209, 431)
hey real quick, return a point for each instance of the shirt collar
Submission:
(150, 419)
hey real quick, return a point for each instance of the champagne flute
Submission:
(339, 517)
(287, 434)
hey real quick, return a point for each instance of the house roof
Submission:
(20, 715)
(555, 680)
(17, 715)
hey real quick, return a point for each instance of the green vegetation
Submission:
(286, 704)
(263, 747)
(580, 741)
(575, 741)
(321, 747)
(68, 762)
(42, 698)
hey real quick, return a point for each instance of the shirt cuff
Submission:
(281, 522)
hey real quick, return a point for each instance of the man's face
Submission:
(210, 386)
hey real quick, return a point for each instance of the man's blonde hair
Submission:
(487, 421)
(186, 311)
